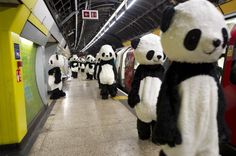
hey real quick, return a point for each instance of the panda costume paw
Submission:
(133, 100)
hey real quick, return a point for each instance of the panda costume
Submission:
(54, 76)
(97, 64)
(74, 65)
(107, 73)
(191, 103)
(83, 74)
(147, 81)
(90, 65)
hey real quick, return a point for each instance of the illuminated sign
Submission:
(90, 14)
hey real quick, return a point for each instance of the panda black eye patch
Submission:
(110, 54)
(192, 39)
(150, 54)
(225, 37)
(103, 54)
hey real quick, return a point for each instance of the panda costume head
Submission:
(107, 53)
(148, 50)
(193, 36)
(56, 61)
(90, 59)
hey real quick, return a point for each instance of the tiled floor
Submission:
(81, 124)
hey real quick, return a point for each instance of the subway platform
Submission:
(82, 124)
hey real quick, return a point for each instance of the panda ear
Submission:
(135, 42)
(164, 56)
(56, 56)
(167, 18)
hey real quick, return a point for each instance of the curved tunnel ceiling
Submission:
(142, 17)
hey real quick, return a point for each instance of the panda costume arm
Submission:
(114, 69)
(168, 106)
(223, 131)
(57, 75)
(133, 97)
(99, 71)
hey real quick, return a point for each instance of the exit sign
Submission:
(90, 14)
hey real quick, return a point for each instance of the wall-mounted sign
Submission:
(90, 14)
(17, 51)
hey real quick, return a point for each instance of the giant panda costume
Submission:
(90, 65)
(107, 73)
(97, 64)
(147, 81)
(74, 66)
(191, 103)
(54, 76)
(83, 74)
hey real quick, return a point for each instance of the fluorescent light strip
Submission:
(132, 3)
(112, 23)
(120, 15)
(110, 19)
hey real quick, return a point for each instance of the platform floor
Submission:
(82, 124)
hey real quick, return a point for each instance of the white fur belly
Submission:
(148, 93)
(74, 69)
(51, 83)
(91, 70)
(198, 110)
(107, 74)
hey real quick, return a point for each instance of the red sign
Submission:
(90, 14)
(18, 75)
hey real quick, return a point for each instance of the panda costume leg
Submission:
(90, 77)
(56, 94)
(87, 76)
(104, 91)
(112, 90)
(144, 129)
(74, 74)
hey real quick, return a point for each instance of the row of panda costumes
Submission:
(84, 67)
(183, 109)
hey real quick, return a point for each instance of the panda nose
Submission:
(216, 43)
(106, 55)
(159, 57)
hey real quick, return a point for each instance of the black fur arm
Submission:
(168, 106)
(57, 75)
(51, 71)
(223, 131)
(99, 71)
(133, 97)
(115, 71)
(95, 71)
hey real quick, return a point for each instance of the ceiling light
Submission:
(121, 15)
(112, 24)
(70, 33)
(132, 3)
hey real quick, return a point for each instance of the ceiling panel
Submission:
(142, 17)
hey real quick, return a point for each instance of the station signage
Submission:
(90, 14)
